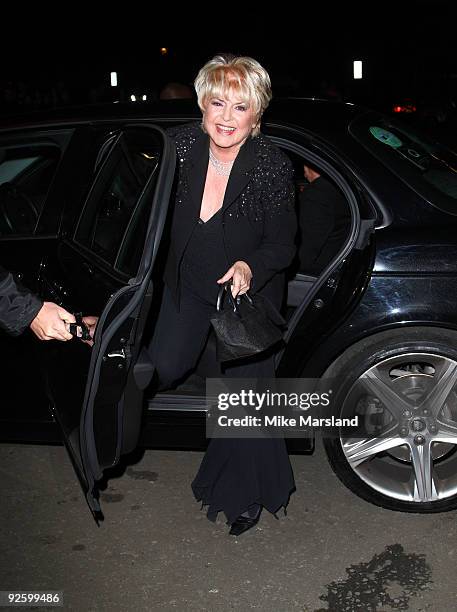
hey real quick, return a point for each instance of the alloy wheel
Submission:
(405, 445)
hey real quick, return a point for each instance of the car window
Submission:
(10, 168)
(26, 174)
(427, 166)
(114, 220)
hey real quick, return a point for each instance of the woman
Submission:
(234, 220)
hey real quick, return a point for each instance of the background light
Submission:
(113, 79)
(357, 69)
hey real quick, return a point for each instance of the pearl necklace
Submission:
(222, 168)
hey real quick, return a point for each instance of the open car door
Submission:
(103, 267)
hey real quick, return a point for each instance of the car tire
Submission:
(417, 365)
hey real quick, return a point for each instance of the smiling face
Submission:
(228, 121)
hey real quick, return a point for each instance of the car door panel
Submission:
(332, 294)
(337, 295)
(29, 181)
(22, 402)
(100, 416)
(74, 280)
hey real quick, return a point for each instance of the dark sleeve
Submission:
(277, 249)
(316, 214)
(184, 133)
(183, 137)
(18, 306)
(173, 132)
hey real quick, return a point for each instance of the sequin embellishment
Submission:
(269, 192)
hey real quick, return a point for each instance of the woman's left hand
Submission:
(241, 276)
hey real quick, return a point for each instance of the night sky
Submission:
(409, 48)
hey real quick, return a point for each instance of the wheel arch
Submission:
(333, 349)
(373, 349)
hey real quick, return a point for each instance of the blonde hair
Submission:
(243, 75)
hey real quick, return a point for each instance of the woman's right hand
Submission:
(241, 276)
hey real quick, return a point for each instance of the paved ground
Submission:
(157, 551)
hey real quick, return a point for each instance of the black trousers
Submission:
(180, 336)
(235, 473)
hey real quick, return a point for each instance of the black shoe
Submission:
(242, 524)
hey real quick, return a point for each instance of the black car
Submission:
(84, 222)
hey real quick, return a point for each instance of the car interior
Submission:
(298, 287)
(25, 176)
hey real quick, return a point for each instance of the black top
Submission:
(258, 209)
(204, 259)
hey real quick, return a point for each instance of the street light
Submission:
(357, 69)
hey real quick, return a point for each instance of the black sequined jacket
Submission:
(258, 212)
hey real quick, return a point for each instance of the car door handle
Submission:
(85, 334)
(119, 353)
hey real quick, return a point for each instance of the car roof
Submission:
(309, 113)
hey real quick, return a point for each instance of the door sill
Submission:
(174, 401)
